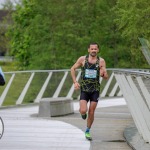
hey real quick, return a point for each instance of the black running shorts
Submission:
(92, 96)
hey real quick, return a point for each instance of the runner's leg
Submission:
(83, 108)
(91, 112)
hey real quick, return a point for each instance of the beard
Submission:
(93, 54)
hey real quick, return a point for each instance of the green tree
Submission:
(7, 8)
(53, 34)
(132, 19)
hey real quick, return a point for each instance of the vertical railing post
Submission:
(56, 94)
(23, 93)
(103, 94)
(43, 88)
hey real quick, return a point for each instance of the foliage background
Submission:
(52, 34)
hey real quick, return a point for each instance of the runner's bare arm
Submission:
(103, 71)
(78, 64)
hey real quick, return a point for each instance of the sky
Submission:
(3, 1)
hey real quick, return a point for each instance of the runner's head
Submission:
(93, 49)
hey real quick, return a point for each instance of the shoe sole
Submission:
(84, 116)
(89, 139)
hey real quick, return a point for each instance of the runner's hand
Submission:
(76, 86)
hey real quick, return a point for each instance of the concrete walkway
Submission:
(25, 131)
(111, 118)
(22, 132)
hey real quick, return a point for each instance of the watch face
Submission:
(1, 127)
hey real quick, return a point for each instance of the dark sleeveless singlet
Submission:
(90, 76)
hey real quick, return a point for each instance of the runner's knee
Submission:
(82, 111)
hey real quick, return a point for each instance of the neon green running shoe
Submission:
(88, 136)
(84, 116)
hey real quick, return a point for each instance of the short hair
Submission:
(93, 43)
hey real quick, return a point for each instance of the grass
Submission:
(8, 66)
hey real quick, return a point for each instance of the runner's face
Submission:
(93, 50)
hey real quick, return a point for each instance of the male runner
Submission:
(92, 68)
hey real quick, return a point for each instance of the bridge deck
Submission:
(25, 131)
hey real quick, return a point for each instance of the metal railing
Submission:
(135, 86)
(30, 86)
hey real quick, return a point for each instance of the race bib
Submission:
(90, 73)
